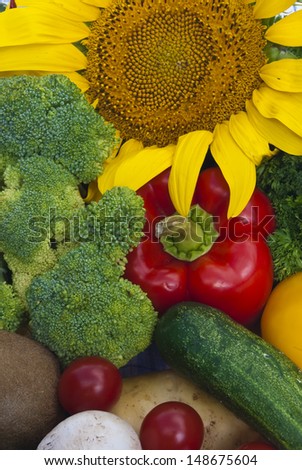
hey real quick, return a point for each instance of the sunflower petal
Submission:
(188, 158)
(285, 107)
(32, 26)
(79, 80)
(52, 58)
(131, 147)
(36, 73)
(238, 170)
(283, 75)
(268, 9)
(78, 9)
(274, 131)
(75, 77)
(93, 193)
(106, 179)
(246, 136)
(74, 10)
(287, 32)
(98, 3)
(136, 167)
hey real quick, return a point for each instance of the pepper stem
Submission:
(187, 238)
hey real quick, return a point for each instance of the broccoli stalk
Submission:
(84, 306)
(280, 178)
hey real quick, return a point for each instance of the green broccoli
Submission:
(84, 306)
(52, 141)
(49, 116)
(12, 313)
(280, 178)
(39, 200)
(116, 219)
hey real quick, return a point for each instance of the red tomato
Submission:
(257, 445)
(172, 425)
(89, 383)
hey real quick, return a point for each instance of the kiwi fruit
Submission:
(29, 406)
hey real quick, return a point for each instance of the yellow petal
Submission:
(280, 105)
(98, 3)
(74, 10)
(36, 73)
(20, 26)
(79, 80)
(93, 193)
(274, 131)
(51, 58)
(249, 140)
(136, 168)
(187, 161)
(238, 170)
(107, 179)
(131, 147)
(283, 75)
(288, 31)
(77, 9)
(75, 77)
(270, 8)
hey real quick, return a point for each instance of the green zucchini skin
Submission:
(255, 380)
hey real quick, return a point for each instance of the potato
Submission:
(223, 430)
(29, 375)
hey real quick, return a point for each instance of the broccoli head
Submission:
(117, 218)
(84, 306)
(49, 116)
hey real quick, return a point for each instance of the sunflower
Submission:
(177, 78)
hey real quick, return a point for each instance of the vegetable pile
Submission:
(94, 283)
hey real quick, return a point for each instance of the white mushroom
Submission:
(91, 430)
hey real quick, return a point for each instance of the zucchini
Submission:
(251, 377)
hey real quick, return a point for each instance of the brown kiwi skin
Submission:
(29, 406)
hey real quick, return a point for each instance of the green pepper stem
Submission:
(187, 238)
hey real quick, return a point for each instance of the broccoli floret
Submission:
(115, 219)
(280, 178)
(38, 203)
(84, 306)
(49, 116)
(12, 312)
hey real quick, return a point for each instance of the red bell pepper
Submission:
(204, 257)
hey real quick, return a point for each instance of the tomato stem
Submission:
(187, 238)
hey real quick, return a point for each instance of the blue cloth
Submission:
(147, 361)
